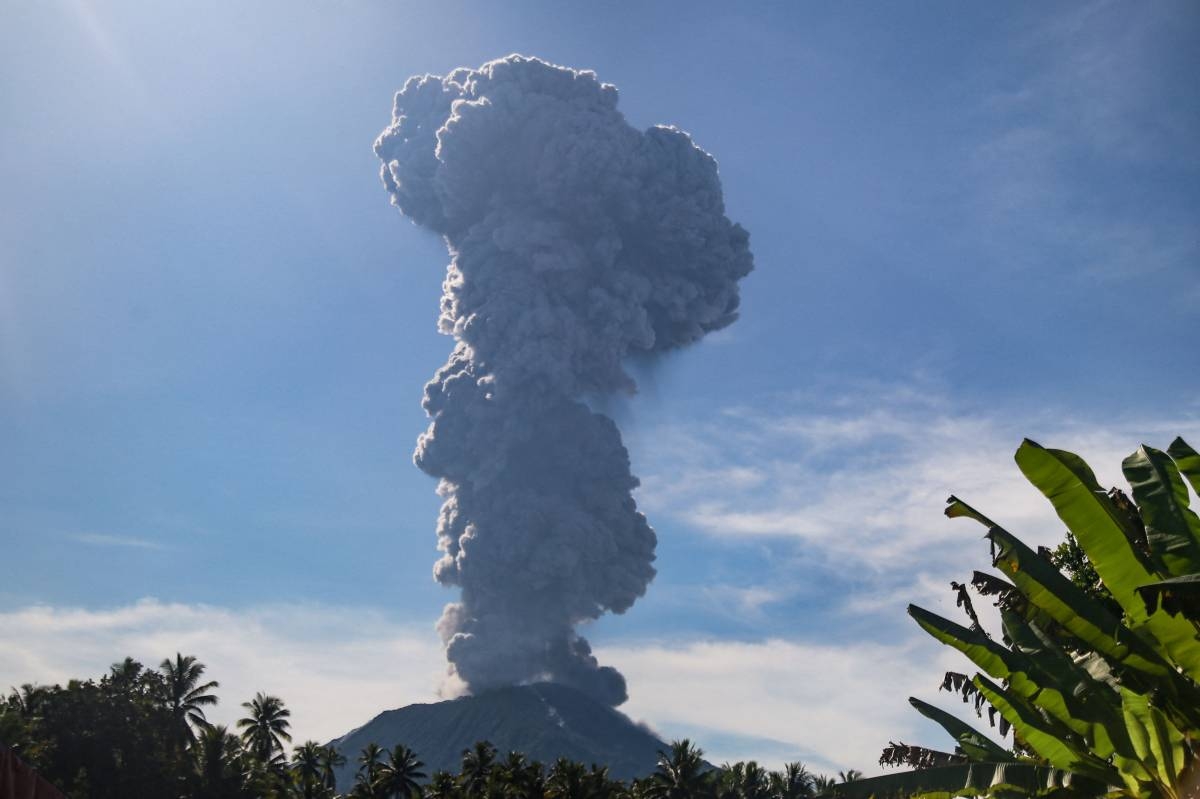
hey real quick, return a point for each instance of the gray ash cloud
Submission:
(575, 242)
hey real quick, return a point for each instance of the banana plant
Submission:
(1099, 703)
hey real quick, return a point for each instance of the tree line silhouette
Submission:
(139, 732)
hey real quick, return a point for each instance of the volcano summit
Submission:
(543, 721)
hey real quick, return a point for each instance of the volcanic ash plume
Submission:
(575, 240)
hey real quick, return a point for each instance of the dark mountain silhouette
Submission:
(544, 721)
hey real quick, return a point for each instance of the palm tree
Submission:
(794, 782)
(728, 783)
(185, 697)
(217, 768)
(477, 768)
(849, 776)
(567, 780)
(369, 763)
(598, 784)
(126, 673)
(331, 761)
(638, 788)
(28, 700)
(265, 729)
(306, 768)
(520, 779)
(361, 790)
(442, 786)
(752, 781)
(822, 783)
(680, 773)
(270, 778)
(398, 778)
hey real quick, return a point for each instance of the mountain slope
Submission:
(544, 721)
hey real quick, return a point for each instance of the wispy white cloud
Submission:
(870, 481)
(14, 357)
(746, 600)
(103, 540)
(111, 50)
(336, 668)
(858, 486)
(833, 707)
(1104, 64)
(1094, 104)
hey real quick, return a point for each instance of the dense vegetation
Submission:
(140, 733)
(1096, 672)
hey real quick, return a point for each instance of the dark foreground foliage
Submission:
(1094, 672)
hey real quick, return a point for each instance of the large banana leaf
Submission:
(1052, 741)
(1188, 461)
(1010, 600)
(983, 651)
(974, 744)
(1089, 706)
(956, 508)
(969, 779)
(1172, 529)
(1080, 501)
(1101, 530)
(1049, 684)
(1046, 587)
(1119, 714)
(1066, 603)
(1159, 744)
(1177, 595)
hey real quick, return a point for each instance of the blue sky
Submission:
(970, 224)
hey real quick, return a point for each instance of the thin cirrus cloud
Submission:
(780, 700)
(1054, 137)
(105, 540)
(848, 479)
(844, 492)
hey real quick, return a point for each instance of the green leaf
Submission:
(1054, 742)
(1159, 744)
(1072, 695)
(1090, 515)
(983, 651)
(1177, 595)
(1100, 530)
(970, 779)
(1088, 621)
(1172, 529)
(1051, 683)
(974, 744)
(1188, 461)
(1069, 606)
(956, 508)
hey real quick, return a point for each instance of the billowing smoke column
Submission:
(575, 240)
